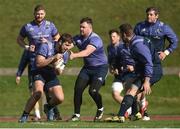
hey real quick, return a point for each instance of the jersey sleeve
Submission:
(23, 63)
(23, 31)
(43, 50)
(143, 55)
(54, 30)
(96, 42)
(171, 37)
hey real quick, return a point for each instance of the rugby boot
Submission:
(49, 112)
(74, 118)
(57, 115)
(138, 116)
(120, 119)
(99, 114)
(146, 116)
(23, 118)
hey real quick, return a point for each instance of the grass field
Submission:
(66, 14)
(85, 124)
(164, 100)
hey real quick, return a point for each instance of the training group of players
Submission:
(134, 57)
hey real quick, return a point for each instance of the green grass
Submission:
(164, 100)
(85, 124)
(66, 14)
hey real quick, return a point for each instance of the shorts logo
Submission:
(100, 79)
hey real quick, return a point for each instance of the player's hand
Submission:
(57, 57)
(113, 71)
(130, 68)
(43, 40)
(18, 79)
(162, 55)
(116, 72)
(71, 55)
(32, 48)
(147, 88)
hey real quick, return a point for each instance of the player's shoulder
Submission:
(28, 24)
(77, 38)
(122, 45)
(162, 26)
(160, 23)
(47, 22)
(94, 35)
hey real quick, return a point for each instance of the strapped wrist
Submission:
(166, 52)
(26, 47)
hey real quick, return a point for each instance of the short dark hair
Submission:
(39, 7)
(86, 19)
(155, 9)
(126, 28)
(114, 31)
(65, 37)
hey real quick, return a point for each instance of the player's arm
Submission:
(146, 85)
(22, 65)
(18, 79)
(22, 43)
(56, 37)
(144, 56)
(173, 42)
(54, 32)
(42, 61)
(84, 53)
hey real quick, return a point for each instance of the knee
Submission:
(132, 91)
(37, 95)
(60, 99)
(93, 92)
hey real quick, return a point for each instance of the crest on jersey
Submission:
(143, 30)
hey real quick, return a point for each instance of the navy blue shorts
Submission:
(125, 77)
(30, 80)
(50, 79)
(94, 73)
(156, 76)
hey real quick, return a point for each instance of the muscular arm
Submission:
(23, 63)
(41, 61)
(21, 42)
(84, 53)
(56, 37)
(146, 85)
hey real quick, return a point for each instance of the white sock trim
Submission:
(101, 109)
(78, 115)
(37, 113)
